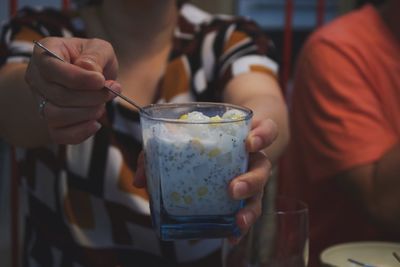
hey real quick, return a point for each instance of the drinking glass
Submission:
(278, 239)
(192, 152)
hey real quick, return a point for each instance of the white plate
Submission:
(379, 254)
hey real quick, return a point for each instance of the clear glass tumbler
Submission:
(278, 239)
(192, 152)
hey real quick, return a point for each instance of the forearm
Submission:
(20, 122)
(386, 186)
(377, 186)
(271, 107)
(261, 93)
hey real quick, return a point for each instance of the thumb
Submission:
(262, 135)
(98, 55)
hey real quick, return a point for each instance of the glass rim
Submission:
(249, 112)
(300, 207)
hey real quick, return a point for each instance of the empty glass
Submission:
(192, 152)
(278, 239)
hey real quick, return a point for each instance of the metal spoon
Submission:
(130, 101)
(359, 263)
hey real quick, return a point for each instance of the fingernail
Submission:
(88, 60)
(115, 86)
(112, 84)
(88, 64)
(240, 189)
(97, 125)
(256, 142)
(248, 219)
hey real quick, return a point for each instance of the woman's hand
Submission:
(250, 185)
(72, 94)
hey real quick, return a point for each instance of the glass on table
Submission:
(278, 239)
(192, 152)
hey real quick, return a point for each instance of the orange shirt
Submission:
(345, 112)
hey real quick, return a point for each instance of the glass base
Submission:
(197, 227)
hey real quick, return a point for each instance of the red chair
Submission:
(288, 38)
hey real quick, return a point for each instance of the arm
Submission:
(376, 186)
(247, 77)
(262, 94)
(18, 109)
(247, 73)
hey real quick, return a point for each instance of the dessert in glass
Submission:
(192, 152)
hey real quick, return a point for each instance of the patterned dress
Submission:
(81, 206)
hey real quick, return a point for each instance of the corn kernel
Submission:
(188, 199)
(202, 191)
(175, 196)
(196, 143)
(184, 117)
(214, 152)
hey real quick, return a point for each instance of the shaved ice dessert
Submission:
(192, 152)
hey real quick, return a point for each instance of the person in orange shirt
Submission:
(344, 156)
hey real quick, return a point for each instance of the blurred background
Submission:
(270, 14)
(288, 22)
